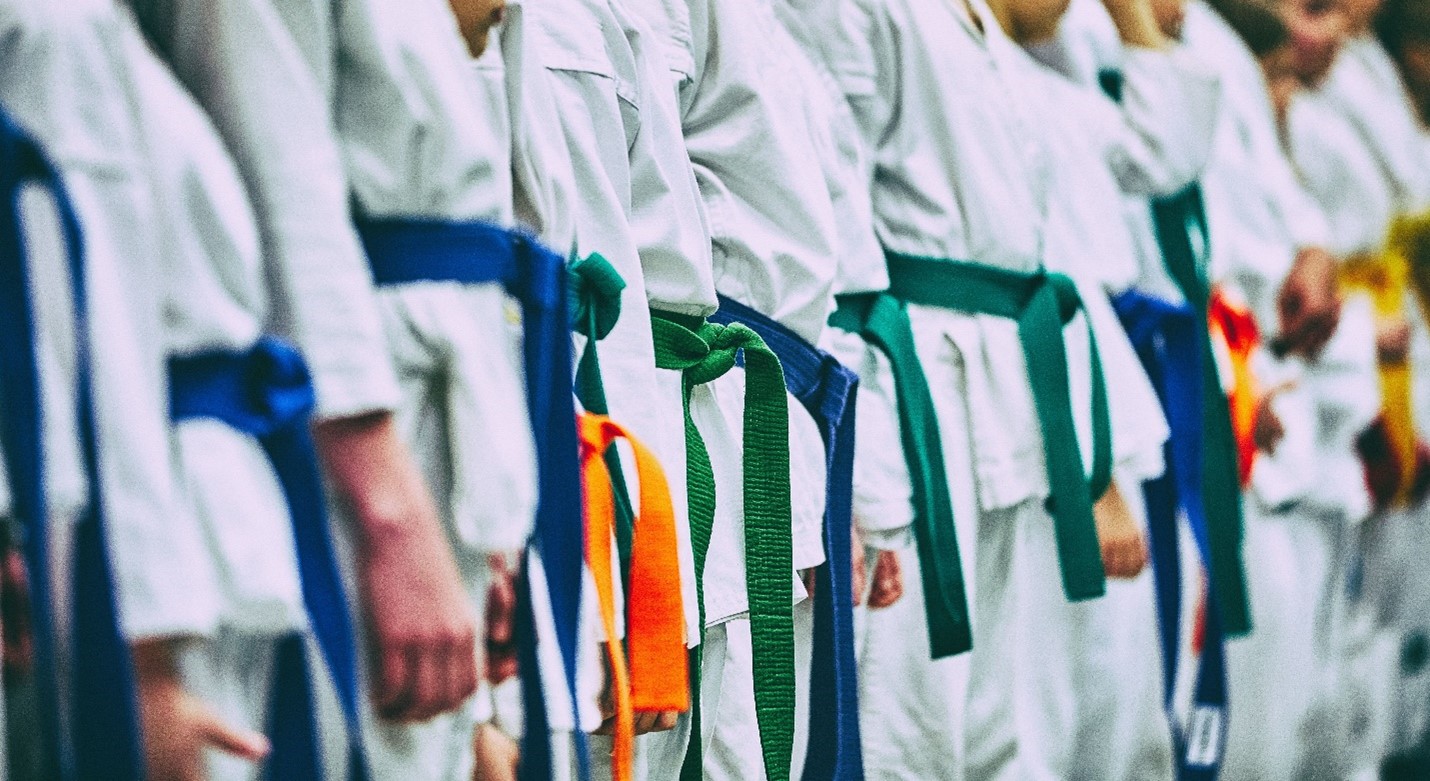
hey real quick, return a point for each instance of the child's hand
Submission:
(1309, 303)
(1269, 430)
(421, 628)
(1392, 340)
(645, 721)
(859, 580)
(1124, 551)
(888, 585)
(178, 727)
(18, 639)
(495, 754)
(500, 616)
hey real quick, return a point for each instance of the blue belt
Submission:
(104, 736)
(405, 251)
(266, 392)
(1168, 339)
(827, 390)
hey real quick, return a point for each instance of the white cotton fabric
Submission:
(65, 62)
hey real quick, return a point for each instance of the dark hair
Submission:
(1256, 22)
(1402, 22)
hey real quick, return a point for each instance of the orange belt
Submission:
(658, 679)
(1234, 328)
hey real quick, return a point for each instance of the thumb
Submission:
(242, 743)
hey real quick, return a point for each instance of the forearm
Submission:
(373, 475)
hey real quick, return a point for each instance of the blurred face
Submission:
(1170, 14)
(1034, 21)
(476, 18)
(1318, 28)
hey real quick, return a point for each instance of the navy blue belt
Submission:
(1168, 339)
(404, 251)
(827, 390)
(267, 393)
(104, 729)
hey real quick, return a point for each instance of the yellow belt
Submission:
(1410, 239)
(1386, 280)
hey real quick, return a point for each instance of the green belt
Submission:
(593, 298)
(883, 321)
(1041, 303)
(703, 352)
(1177, 219)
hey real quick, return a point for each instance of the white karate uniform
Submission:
(1368, 97)
(932, 201)
(72, 100)
(64, 86)
(882, 506)
(1295, 529)
(1345, 174)
(753, 133)
(402, 81)
(207, 264)
(637, 198)
(1122, 728)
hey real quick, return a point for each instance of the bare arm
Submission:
(421, 627)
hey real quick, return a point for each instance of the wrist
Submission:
(156, 660)
(374, 477)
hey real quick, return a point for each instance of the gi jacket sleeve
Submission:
(268, 101)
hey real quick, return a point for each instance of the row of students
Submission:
(1085, 266)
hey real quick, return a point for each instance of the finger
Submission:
(500, 607)
(608, 727)
(504, 668)
(667, 721)
(462, 680)
(885, 593)
(605, 704)
(241, 743)
(1317, 334)
(645, 721)
(892, 566)
(429, 698)
(394, 681)
(655, 721)
(859, 580)
(1280, 388)
(1112, 559)
(1137, 559)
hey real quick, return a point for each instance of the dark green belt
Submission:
(884, 323)
(1041, 303)
(703, 352)
(593, 302)
(1177, 220)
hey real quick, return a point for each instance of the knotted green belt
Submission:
(593, 302)
(883, 321)
(1181, 228)
(703, 352)
(1041, 303)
